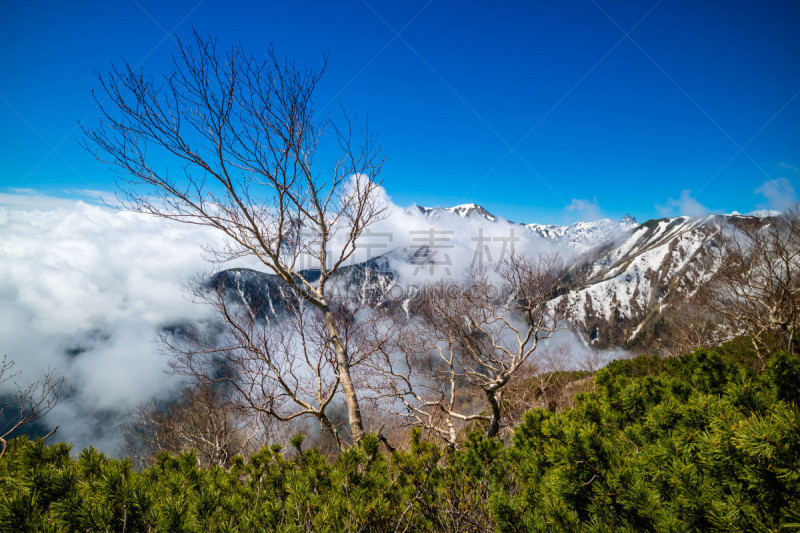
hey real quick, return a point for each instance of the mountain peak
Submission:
(628, 221)
(463, 210)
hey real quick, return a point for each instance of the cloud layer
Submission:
(85, 289)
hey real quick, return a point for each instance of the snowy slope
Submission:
(625, 285)
(585, 235)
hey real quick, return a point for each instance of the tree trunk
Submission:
(343, 363)
(494, 423)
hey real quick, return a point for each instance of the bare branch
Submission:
(756, 289)
(239, 137)
(29, 403)
(450, 364)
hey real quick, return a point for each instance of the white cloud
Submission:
(85, 289)
(685, 204)
(584, 210)
(458, 242)
(778, 193)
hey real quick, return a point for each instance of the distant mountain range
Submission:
(580, 235)
(624, 277)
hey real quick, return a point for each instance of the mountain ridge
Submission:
(624, 280)
(579, 233)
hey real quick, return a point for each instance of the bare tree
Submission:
(450, 365)
(202, 418)
(239, 139)
(541, 382)
(284, 367)
(28, 403)
(756, 289)
(689, 327)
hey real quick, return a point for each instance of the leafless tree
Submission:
(689, 327)
(230, 141)
(756, 289)
(282, 366)
(450, 365)
(28, 403)
(202, 418)
(536, 383)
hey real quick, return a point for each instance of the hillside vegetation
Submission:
(706, 441)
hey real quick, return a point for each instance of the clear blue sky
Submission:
(519, 106)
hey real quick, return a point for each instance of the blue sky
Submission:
(540, 111)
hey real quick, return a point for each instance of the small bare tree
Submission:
(539, 383)
(29, 403)
(229, 141)
(451, 363)
(689, 328)
(756, 289)
(202, 418)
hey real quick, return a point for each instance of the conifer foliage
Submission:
(702, 442)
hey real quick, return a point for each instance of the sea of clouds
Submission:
(85, 289)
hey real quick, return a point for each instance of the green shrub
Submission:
(700, 442)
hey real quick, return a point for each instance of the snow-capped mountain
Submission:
(624, 287)
(580, 235)
(585, 235)
(366, 283)
(463, 210)
(626, 278)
